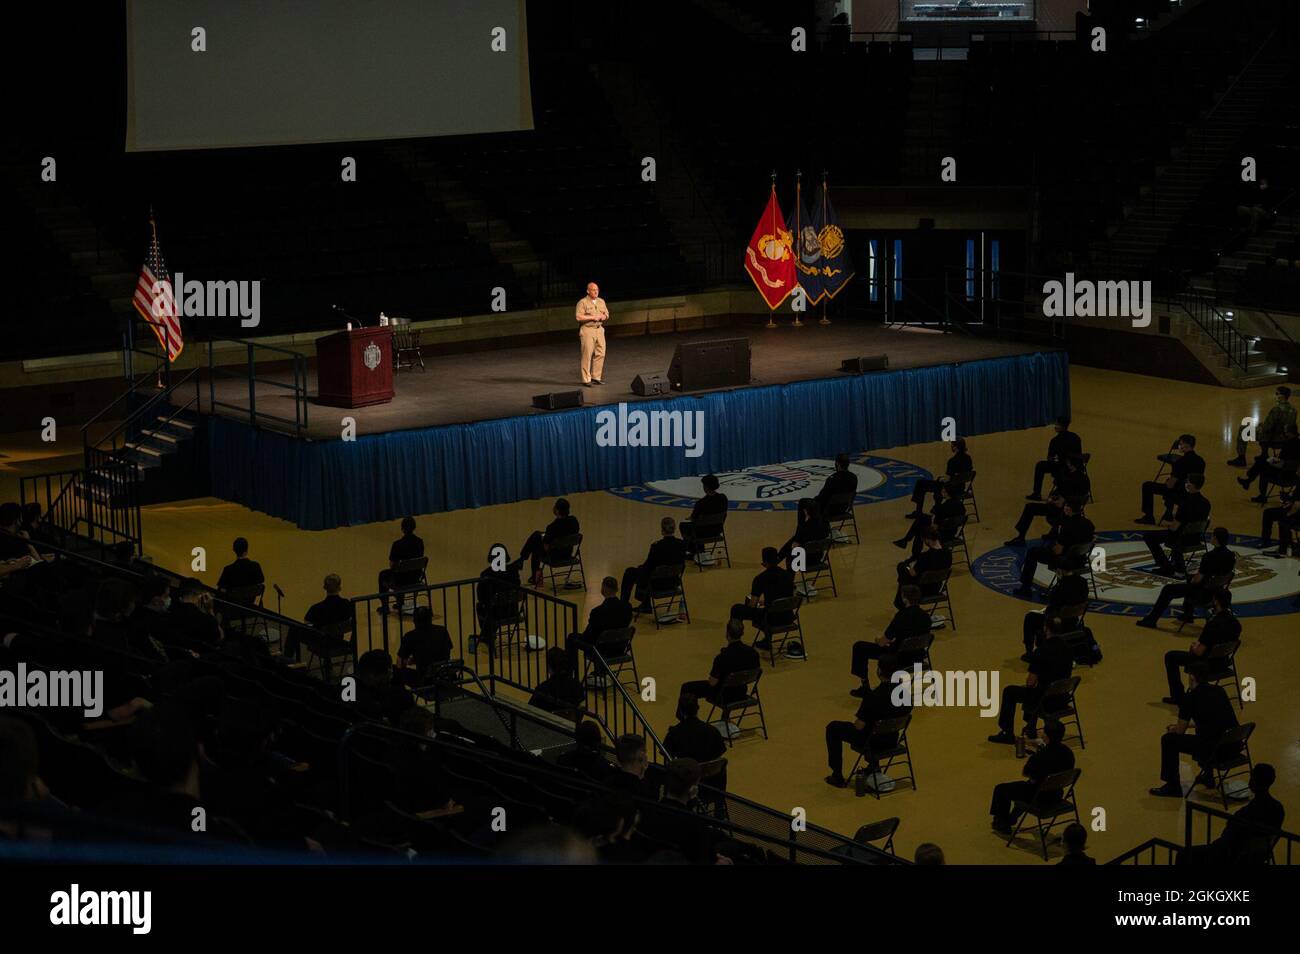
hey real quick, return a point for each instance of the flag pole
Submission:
(798, 209)
(824, 319)
(771, 313)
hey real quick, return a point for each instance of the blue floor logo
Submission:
(1263, 586)
(779, 486)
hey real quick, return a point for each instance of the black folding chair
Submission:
(839, 513)
(1230, 758)
(750, 702)
(709, 535)
(884, 748)
(934, 595)
(615, 647)
(817, 564)
(1052, 799)
(560, 570)
(666, 593)
(780, 624)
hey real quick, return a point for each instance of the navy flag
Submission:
(835, 268)
(808, 252)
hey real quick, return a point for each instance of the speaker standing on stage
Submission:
(592, 313)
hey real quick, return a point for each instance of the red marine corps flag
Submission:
(154, 299)
(769, 259)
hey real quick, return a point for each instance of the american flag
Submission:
(155, 301)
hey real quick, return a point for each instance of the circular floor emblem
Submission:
(1263, 586)
(779, 486)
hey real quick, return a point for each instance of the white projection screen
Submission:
(278, 72)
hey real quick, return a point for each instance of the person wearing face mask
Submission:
(1193, 508)
(1277, 465)
(1184, 463)
(1271, 432)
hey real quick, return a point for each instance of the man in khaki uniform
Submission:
(592, 313)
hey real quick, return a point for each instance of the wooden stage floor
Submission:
(488, 385)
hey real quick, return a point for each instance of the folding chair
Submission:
(915, 649)
(779, 624)
(968, 494)
(884, 748)
(1231, 758)
(882, 830)
(560, 570)
(406, 576)
(335, 642)
(817, 563)
(615, 647)
(1191, 542)
(934, 594)
(1221, 662)
(709, 535)
(952, 534)
(748, 681)
(1166, 460)
(839, 513)
(666, 592)
(1076, 561)
(1058, 703)
(1053, 798)
(1202, 596)
(245, 596)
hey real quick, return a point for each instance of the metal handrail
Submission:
(298, 386)
(1290, 839)
(1148, 847)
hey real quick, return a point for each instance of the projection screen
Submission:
(278, 72)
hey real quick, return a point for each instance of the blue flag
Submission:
(808, 253)
(835, 268)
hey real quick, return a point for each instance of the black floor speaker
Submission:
(872, 362)
(557, 400)
(646, 385)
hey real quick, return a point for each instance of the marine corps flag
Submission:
(836, 269)
(768, 257)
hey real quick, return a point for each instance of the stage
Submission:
(463, 433)
(464, 387)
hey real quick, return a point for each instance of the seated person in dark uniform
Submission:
(877, 706)
(1248, 836)
(426, 645)
(1074, 530)
(406, 547)
(1275, 465)
(13, 546)
(378, 697)
(909, 621)
(1208, 707)
(1287, 517)
(496, 596)
(191, 615)
(539, 544)
(1184, 463)
(585, 756)
(559, 693)
(842, 481)
(734, 657)
(958, 466)
(1218, 561)
(243, 572)
(713, 502)
(774, 583)
(611, 613)
(1064, 443)
(668, 550)
(331, 611)
(1075, 839)
(1191, 508)
(684, 829)
(631, 765)
(934, 556)
(946, 515)
(1051, 662)
(692, 737)
(1072, 483)
(810, 527)
(1222, 627)
(1055, 756)
(1070, 590)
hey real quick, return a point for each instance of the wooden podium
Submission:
(355, 368)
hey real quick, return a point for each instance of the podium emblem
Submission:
(372, 356)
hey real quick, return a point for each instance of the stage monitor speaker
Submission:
(655, 382)
(873, 362)
(710, 364)
(557, 400)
